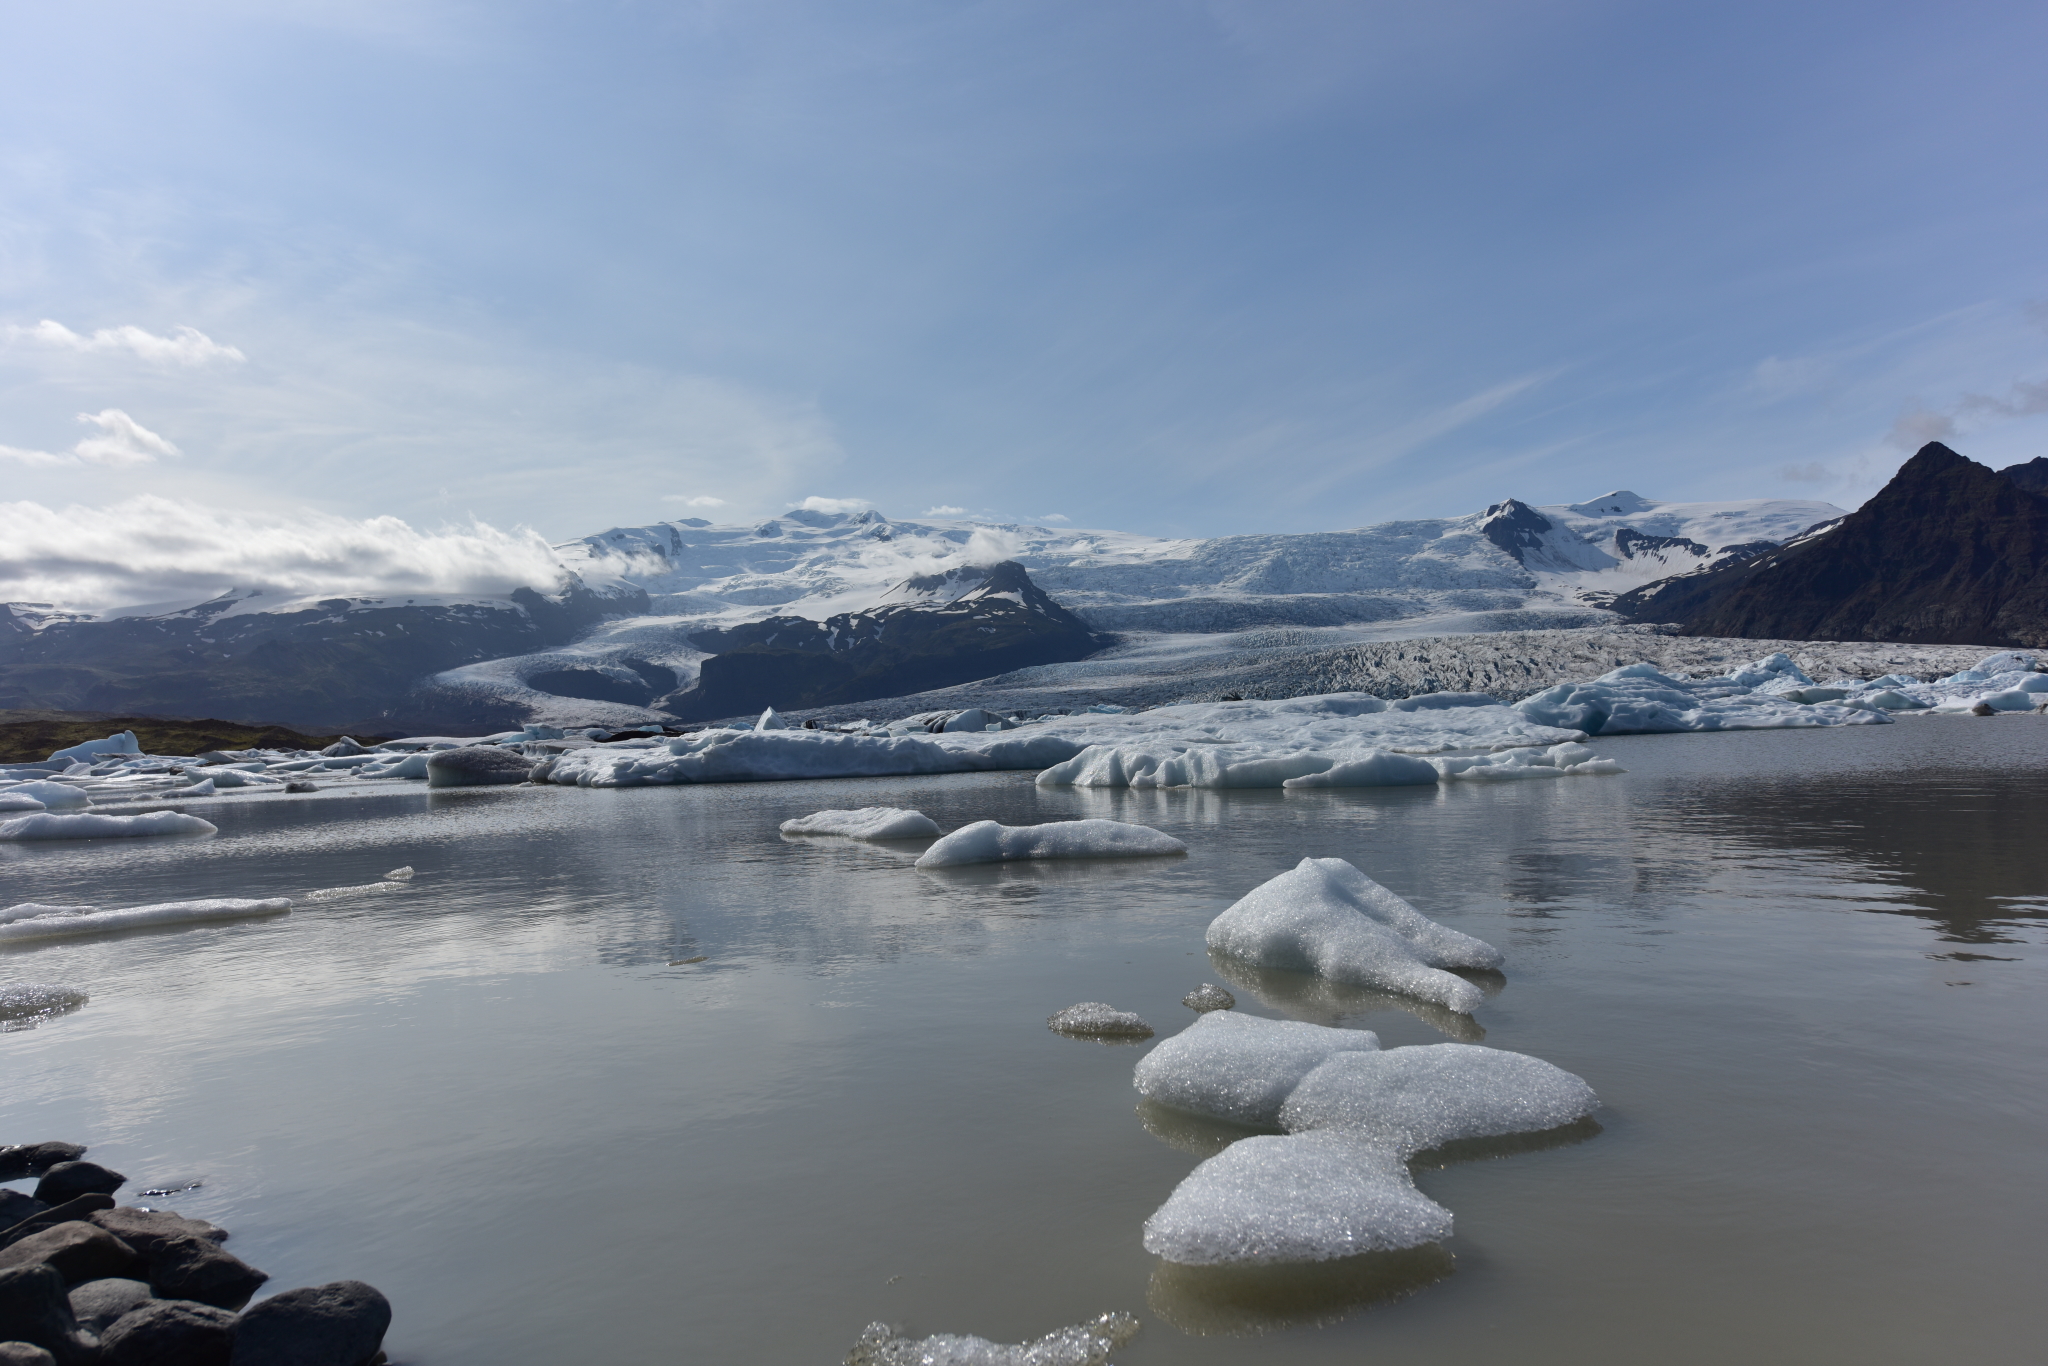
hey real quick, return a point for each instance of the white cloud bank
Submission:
(698, 500)
(120, 442)
(817, 504)
(187, 346)
(152, 549)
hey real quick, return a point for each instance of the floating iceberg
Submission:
(733, 756)
(865, 823)
(990, 842)
(72, 921)
(1098, 1018)
(20, 801)
(477, 766)
(54, 795)
(1241, 1067)
(23, 1004)
(1337, 1183)
(1207, 997)
(1559, 761)
(120, 742)
(1373, 770)
(1638, 700)
(1085, 1344)
(1326, 917)
(50, 825)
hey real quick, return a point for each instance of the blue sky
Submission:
(1181, 268)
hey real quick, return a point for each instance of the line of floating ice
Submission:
(1085, 1344)
(993, 842)
(865, 823)
(71, 922)
(50, 825)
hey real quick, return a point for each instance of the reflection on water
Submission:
(1318, 1000)
(1201, 1136)
(1240, 1301)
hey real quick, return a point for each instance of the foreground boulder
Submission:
(76, 1250)
(171, 1333)
(83, 1207)
(182, 1267)
(24, 1354)
(35, 1310)
(97, 1305)
(33, 1159)
(338, 1324)
(144, 1229)
(69, 1180)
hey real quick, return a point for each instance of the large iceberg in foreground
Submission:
(992, 842)
(1337, 1183)
(1324, 916)
(50, 825)
(865, 823)
(30, 921)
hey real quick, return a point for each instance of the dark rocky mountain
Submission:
(932, 631)
(338, 663)
(1948, 553)
(2032, 476)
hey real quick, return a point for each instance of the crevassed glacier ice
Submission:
(1637, 699)
(51, 825)
(993, 842)
(1241, 1067)
(1325, 916)
(865, 823)
(1084, 1344)
(68, 922)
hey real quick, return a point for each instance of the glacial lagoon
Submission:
(1802, 969)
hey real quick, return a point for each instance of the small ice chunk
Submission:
(1241, 1067)
(991, 842)
(1098, 1017)
(202, 788)
(120, 742)
(54, 795)
(51, 826)
(400, 874)
(865, 823)
(770, 721)
(16, 801)
(29, 910)
(1085, 1344)
(1326, 917)
(28, 1001)
(1298, 1198)
(1427, 1095)
(1377, 769)
(356, 889)
(1208, 997)
(477, 766)
(139, 917)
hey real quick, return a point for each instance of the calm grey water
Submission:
(1802, 969)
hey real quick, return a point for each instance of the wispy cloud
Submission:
(945, 510)
(152, 549)
(186, 346)
(121, 441)
(1813, 472)
(817, 504)
(1053, 517)
(693, 500)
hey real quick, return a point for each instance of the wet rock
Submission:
(68, 1180)
(24, 1354)
(171, 1333)
(76, 1250)
(96, 1304)
(34, 1309)
(33, 1159)
(144, 1229)
(300, 785)
(182, 1267)
(83, 1207)
(338, 1324)
(1208, 997)
(15, 1207)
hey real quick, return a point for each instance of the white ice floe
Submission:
(865, 823)
(1098, 1017)
(400, 874)
(1337, 1183)
(25, 1002)
(1207, 997)
(54, 795)
(1637, 699)
(1084, 1344)
(1326, 917)
(19, 802)
(120, 742)
(992, 842)
(50, 825)
(1508, 765)
(1241, 1067)
(356, 890)
(729, 756)
(1373, 770)
(71, 922)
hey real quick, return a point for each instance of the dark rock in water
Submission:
(143, 1229)
(338, 1324)
(928, 632)
(24, 1354)
(15, 1207)
(34, 1309)
(33, 1159)
(83, 1207)
(68, 1180)
(1947, 553)
(182, 1267)
(96, 1304)
(300, 785)
(171, 1333)
(477, 766)
(76, 1250)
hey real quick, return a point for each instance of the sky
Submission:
(406, 289)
